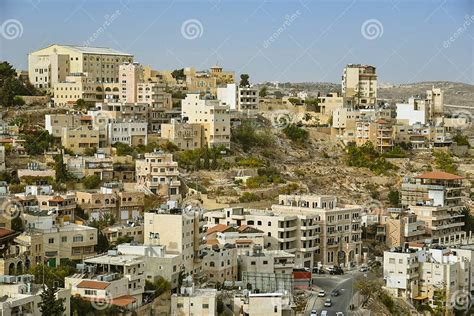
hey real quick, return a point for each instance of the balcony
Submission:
(287, 229)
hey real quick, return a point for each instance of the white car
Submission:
(324, 313)
(339, 314)
(322, 293)
(313, 313)
(364, 269)
(328, 302)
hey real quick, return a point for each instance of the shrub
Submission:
(295, 133)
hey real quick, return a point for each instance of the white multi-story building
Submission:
(214, 117)
(244, 99)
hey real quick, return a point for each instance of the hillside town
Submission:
(129, 190)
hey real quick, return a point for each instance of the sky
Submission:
(271, 40)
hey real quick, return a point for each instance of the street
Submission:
(344, 283)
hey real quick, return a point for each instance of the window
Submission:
(64, 239)
(205, 306)
(51, 240)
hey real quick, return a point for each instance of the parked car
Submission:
(324, 313)
(364, 269)
(328, 302)
(336, 271)
(335, 293)
(313, 313)
(339, 314)
(318, 271)
(322, 293)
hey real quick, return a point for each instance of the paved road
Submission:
(343, 283)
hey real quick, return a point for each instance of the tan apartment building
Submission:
(219, 263)
(54, 123)
(436, 199)
(80, 138)
(69, 241)
(130, 74)
(191, 301)
(214, 118)
(180, 232)
(187, 136)
(379, 133)
(359, 82)
(339, 240)
(158, 262)
(51, 65)
(330, 102)
(84, 166)
(159, 173)
(111, 199)
(400, 227)
(311, 227)
(129, 230)
(22, 297)
(119, 279)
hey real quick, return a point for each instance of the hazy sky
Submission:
(279, 40)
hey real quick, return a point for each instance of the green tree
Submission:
(461, 140)
(207, 164)
(444, 161)
(244, 80)
(160, 286)
(296, 133)
(18, 101)
(89, 151)
(178, 74)
(124, 149)
(263, 92)
(394, 198)
(124, 240)
(50, 306)
(102, 243)
(60, 169)
(91, 182)
(37, 142)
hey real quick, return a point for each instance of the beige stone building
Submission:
(53, 64)
(219, 263)
(191, 301)
(180, 231)
(359, 82)
(112, 199)
(214, 118)
(379, 133)
(54, 123)
(435, 198)
(21, 297)
(159, 174)
(400, 227)
(187, 136)
(119, 279)
(158, 262)
(80, 138)
(57, 242)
